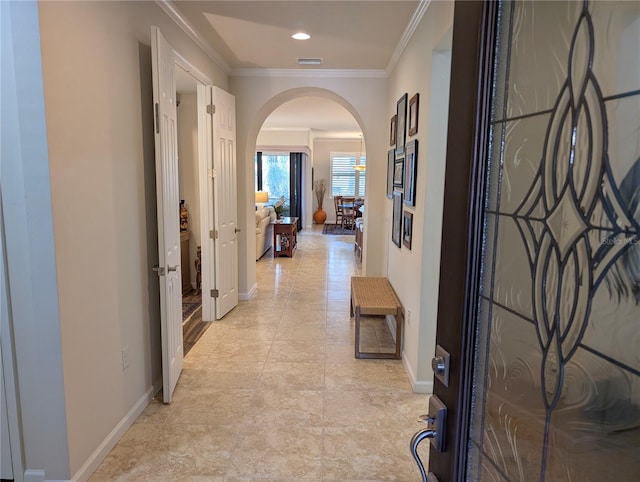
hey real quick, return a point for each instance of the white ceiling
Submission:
(360, 34)
(350, 35)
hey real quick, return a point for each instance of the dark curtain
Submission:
(259, 169)
(295, 210)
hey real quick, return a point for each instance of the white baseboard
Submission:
(249, 295)
(97, 457)
(32, 475)
(417, 385)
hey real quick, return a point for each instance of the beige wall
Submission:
(415, 273)
(284, 138)
(97, 82)
(189, 185)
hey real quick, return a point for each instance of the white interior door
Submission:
(225, 201)
(205, 142)
(164, 99)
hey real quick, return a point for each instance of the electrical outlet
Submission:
(125, 358)
(409, 316)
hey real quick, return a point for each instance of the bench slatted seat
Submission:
(375, 296)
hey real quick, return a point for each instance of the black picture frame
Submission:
(407, 228)
(414, 105)
(410, 171)
(392, 130)
(398, 173)
(401, 125)
(391, 158)
(396, 225)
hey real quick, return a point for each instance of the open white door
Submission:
(205, 143)
(164, 99)
(225, 201)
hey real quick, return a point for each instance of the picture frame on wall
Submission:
(398, 172)
(414, 105)
(407, 228)
(401, 125)
(396, 225)
(410, 171)
(391, 165)
(392, 130)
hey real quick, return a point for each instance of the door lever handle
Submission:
(415, 441)
(238, 230)
(436, 421)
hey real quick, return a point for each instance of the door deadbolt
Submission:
(440, 364)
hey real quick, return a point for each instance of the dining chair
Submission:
(348, 212)
(338, 204)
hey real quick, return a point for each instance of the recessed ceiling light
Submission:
(301, 36)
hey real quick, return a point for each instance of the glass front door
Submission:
(556, 380)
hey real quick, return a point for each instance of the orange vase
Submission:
(320, 216)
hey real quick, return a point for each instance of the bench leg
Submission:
(357, 340)
(399, 323)
(389, 355)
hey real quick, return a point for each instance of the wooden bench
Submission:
(375, 296)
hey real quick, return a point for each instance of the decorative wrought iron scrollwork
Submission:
(576, 222)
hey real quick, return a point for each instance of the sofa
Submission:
(264, 230)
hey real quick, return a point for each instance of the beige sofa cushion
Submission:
(264, 217)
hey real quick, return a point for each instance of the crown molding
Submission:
(283, 149)
(333, 73)
(286, 129)
(340, 136)
(408, 33)
(174, 14)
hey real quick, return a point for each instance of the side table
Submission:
(285, 236)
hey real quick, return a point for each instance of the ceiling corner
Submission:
(174, 14)
(408, 33)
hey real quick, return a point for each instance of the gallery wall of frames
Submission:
(402, 164)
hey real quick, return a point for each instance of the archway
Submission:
(280, 100)
(256, 101)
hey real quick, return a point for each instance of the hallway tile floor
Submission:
(272, 392)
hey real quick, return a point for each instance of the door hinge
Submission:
(215, 293)
(211, 109)
(157, 118)
(212, 173)
(213, 234)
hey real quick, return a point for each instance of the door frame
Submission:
(8, 387)
(205, 161)
(472, 52)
